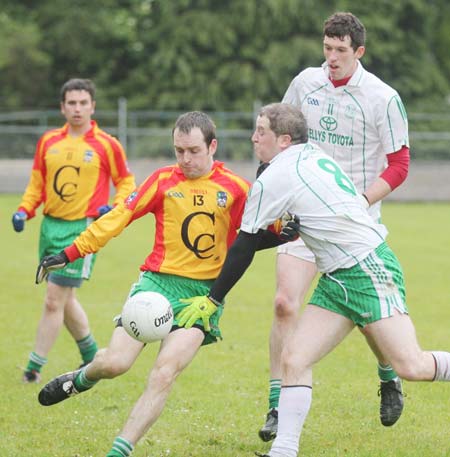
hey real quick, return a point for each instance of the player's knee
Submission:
(409, 370)
(164, 374)
(53, 305)
(284, 307)
(110, 364)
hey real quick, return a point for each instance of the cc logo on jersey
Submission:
(201, 243)
(64, 182)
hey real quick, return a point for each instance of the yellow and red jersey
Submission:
(71, 175)
(196, 221)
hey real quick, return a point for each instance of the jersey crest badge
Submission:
(131, 197)
(88, 156)
(222, 199)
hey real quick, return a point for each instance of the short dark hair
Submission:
(187, 121)
(77, 84)
(286, 119)
(341, 25)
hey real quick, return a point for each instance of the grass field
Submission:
(220, 401)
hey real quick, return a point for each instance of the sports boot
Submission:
(58, 389)
(391, 404)
(269, 430)
(31, 376)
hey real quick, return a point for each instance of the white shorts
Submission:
(297, 249)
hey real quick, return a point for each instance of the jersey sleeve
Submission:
(121, 175)
(264, 206)
(34, 194)
(102, 230)
(393, 125)
(291, 95)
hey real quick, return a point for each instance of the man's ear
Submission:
(360, 52)
(284, 141)
(213, 146)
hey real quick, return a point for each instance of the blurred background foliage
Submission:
(211, 55)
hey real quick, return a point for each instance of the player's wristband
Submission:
(216, 302)
(365, 196)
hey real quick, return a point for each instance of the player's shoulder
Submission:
(52, 133)
(310, 74)
(107, 138)
(224, 173)
(376, 87)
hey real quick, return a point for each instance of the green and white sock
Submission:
(274, 393)
(88, 348)
(36, 362)
(82, 382)
(121, 448)
(386, 373)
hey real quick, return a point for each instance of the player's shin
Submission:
(295, 402)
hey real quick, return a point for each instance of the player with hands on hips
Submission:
(361, 122)
(197, 198)
(72, 170)
(361, 283)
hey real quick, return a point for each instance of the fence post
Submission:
(122, 121)
(257, 105)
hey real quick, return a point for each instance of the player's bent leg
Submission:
(76, 321)
(294, 277)
(48, 330)
(390, 388)
(396, 339)
(317, 332)
(117, 358)
(108, 363)
(58, 389)
(177, 351)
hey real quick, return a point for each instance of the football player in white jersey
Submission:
(359, 121)
(361, 283)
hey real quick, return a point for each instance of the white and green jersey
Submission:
(357, 124)
(307, 182)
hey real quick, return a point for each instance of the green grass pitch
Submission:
(219, 402)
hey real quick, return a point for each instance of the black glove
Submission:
(290, 227)
(50, 263)
(18, 220)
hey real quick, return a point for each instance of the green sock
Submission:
(88, 348)
(121, 448)
(274, 393)
(386, 373)
(83, 383)
(36, 362)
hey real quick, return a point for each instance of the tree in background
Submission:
(209, 54)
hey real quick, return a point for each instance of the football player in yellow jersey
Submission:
(198, 205)
(71, 175)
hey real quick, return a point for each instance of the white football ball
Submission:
(147, 316)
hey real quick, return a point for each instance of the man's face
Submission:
(342, 60)
(77, 108)
(193, 155)
(265, 142)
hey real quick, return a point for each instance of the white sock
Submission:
(294, 406)
(442, 365)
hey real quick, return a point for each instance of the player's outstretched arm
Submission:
(50, 263)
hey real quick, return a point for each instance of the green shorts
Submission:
(367, 292)
(175, 287)
(57, 234)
